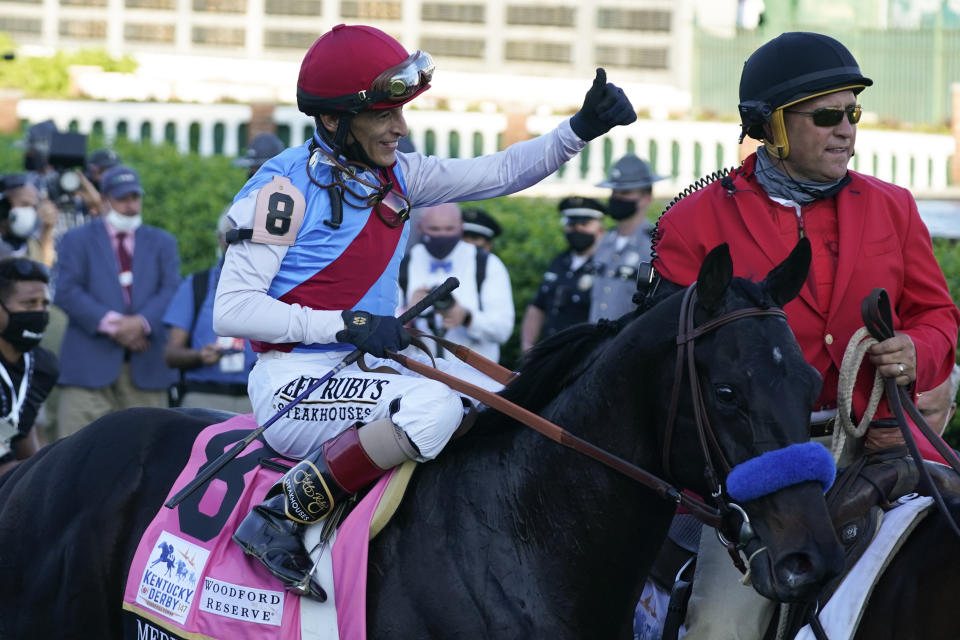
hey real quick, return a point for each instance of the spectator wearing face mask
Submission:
(115, 277)
(479, 314)
(27, 221)
(563, 297)
(27, 371)
(623, 248)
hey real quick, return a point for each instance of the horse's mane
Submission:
(558, 361)
(553, 363)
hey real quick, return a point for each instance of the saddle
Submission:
(863, 491)
(886, 478)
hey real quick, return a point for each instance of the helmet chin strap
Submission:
(350, 150)
(339, 138)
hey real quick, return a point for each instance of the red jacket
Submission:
(882, 243)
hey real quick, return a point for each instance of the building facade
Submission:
(639, 42)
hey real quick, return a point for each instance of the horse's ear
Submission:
(786, 279)
(716, 272)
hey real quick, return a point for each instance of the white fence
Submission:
(681, 150)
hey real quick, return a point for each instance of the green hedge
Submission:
(49, 77)
(948, 255)
(185, 194)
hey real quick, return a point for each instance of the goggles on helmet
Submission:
(403, 80)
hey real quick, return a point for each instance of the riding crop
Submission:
(210, 470)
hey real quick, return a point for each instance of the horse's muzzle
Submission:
(796, 552)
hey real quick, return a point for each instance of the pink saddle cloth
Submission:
(189, 580)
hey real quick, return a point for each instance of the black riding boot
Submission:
(267, 534)
(273, 531)
(863, 489)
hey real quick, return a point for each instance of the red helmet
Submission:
(356, 68)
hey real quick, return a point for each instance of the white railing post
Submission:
(929, 154)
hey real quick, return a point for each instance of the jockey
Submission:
(312, 275)
(798, 97)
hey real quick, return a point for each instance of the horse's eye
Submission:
(725, 394)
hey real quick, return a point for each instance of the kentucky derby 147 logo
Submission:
(171, 576)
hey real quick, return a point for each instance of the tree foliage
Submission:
(185, 194)
(49, 77)
(948, 255)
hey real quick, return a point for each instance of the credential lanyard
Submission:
(16, 398)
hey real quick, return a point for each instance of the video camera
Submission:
(66, 152)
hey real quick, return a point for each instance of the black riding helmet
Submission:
(792, 67)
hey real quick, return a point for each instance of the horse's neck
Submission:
(563, 499)
(516, 513)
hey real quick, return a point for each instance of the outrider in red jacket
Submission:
(868, 235)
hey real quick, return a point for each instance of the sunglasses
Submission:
(832, 116)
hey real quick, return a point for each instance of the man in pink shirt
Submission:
(114, 279)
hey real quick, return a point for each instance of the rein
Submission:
(687, 334)
(878, 318)
(665, 490)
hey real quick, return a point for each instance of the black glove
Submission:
(373, 334)
(604, 107)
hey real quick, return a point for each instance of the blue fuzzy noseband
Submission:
(774, 470)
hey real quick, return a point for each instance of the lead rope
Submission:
(852, 359)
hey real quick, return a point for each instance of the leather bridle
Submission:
(687, 334)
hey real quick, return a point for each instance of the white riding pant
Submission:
(428, 411)
(720, 605)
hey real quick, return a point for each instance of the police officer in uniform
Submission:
(480, 228)
(623, 248)
(563, 298)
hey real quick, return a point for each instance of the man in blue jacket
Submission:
(114, 279)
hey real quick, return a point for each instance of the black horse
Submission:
(507, 534)
(915, 597)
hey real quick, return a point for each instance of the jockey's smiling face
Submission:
(377, 132)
